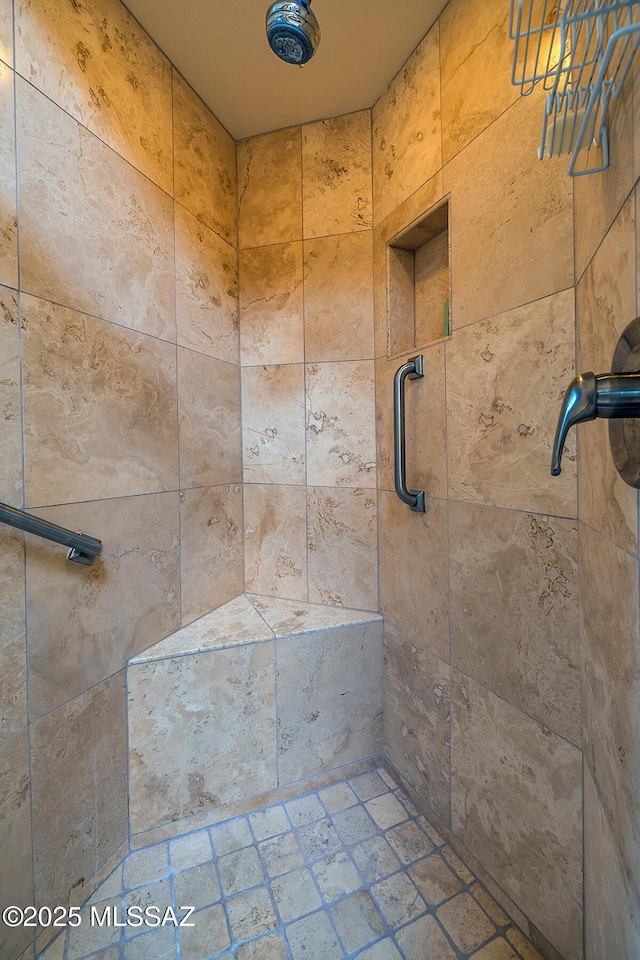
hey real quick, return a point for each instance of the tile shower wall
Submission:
(483, 689)
(306, 324)
(120, 400)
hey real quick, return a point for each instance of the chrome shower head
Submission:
(292, 30)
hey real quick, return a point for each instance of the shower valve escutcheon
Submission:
(590, 395)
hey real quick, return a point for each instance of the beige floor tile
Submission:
(271, 947)
(305, 810)
(467, 925)
(231, 836)
(357, 921)
(250, 914)
(386, 810)
(384, 950)
(87, 937)
(522, 945)
(435, 880)
(354, 824)
(336, 876)
(190, 851)
(111, 887)
(398, 900)
(269, 823)
(159, 944)
(456, 864)
(431, 832)
(197, 887)
(313, 938)
(145, 866)
(295, 894)
(156, 894)
(338, 797)
(375, 858)
(423, 938)
(209, 933)
(409, 842)
(240, 870)
(281, 854)
(489, 905)
(369, 785)
(318, 839)
(496, 950)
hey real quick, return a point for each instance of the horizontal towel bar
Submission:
(83, 549)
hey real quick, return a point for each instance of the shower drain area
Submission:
(350, 870)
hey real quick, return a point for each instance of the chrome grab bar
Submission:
(413, 369)
(83, 549)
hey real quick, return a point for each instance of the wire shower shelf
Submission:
(581, 53)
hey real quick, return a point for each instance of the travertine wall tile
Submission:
(432, 289)
(208, 420)
(8, 212)
(606, 303)
(507, 207)
(13, 652)
(16, 879)
(271, 304)
(505, 381)
(11, 487)
(611, 900)
(341, 447)
(95, 234)
(329, 700)
(210, 548)
(85, 624)
(100, 408)
(336, 175)
(227, 690)
(203, 162)
(514, 610)
(414, 571)
(338, 297)
(273, 424)
(426, 442)
(96, 62)
(275, 540)
(79, 782)
(270, 188)
(407, 147)
(417, 719)
(611, 688)
(6, 31)
(472, 47)
(516, 800)
(343, 547)
(206, 289)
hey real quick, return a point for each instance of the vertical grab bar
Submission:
(413, 369)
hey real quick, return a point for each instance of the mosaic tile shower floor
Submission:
(352, 870)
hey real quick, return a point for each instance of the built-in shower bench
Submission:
(258, 701)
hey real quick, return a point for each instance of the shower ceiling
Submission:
(220, 47)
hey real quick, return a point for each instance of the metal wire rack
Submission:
(581, 52)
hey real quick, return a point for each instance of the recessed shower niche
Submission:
(419, 283)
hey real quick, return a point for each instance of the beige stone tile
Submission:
(398, 900)
(343, 547)
(412, 209)
(295, 894)
(435, 880)
(96, 62)
(336, 876)
(206, 289)
(232, 624)
(84, 623)
(313, 938)
(383, 950)
(338, 297)
(417, 718)
(6, 31)
(198, 886)
(54, 952)
(606, 303)
(426, 424)
(527, 951)
(240, 870)
(209, 932)
(496, 950)
(16, 880)
(407, 148)
(8, 214)
(489, 905)
(191, 850)
(611, 687)
(456, 864)
(11, 489)
(517, 792)
(341, 447)
(376, 859)
(208, 420)
(211, 564)
(288, 618)
(598, 198)
(467, 925)
(386, 811)
(87, 937)
(271, 822)
(281, 854)
(414, 571)
(251, 914)
(424, 937)
(230, 690)
(271, 947)
(357, 921)
(95, 234)
(514, 610)
(159, 944)
(431, 289)
(338, 797)
(505, 205)
(271, 304)
(145, 866)
(204, 162)
(79, 782)
(473, 44)
(329, 700)
(108, 430)
(505, 381)
(611, 905)
(336, 174)
(275, 540)
(13, 652)
(273, 424)
(409, 842)
(369, 785)
(231, 836)
(270, 188)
